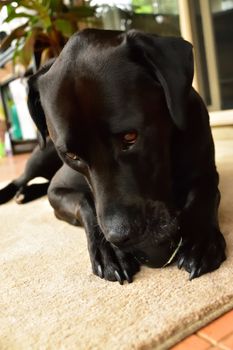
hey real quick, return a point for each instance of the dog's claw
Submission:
(180, 262)
(193, 273)
(118, 277)
(129, 278)
(100, 271)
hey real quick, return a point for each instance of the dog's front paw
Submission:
(205, 255)
(112, 264)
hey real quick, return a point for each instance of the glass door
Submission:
(212, 36)
(222, 21)
(152, 16)
(208, 24)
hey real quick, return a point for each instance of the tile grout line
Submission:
(206, 337)
(213, 341)
(225, 347)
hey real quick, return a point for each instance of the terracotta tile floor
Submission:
(216, 335)
(13, 166)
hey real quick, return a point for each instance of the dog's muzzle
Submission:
(162, 239)
(157, 256)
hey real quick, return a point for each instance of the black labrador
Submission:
(138, 155)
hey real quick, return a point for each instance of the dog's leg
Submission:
(30, 192)
(19, 189)
(204, 245)
(41, 163)
(75, 205)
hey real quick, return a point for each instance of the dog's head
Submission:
(110, 102)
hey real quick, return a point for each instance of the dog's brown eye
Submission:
(72, 156)
(130, 138)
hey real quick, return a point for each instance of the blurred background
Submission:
(32, 31)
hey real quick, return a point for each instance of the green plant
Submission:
(47, 26)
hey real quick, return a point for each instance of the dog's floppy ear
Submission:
(170, 59)
(34, 104)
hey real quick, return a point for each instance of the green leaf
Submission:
(50, 18)
(82, 11)
(17, 49)
(14, 15)
(46, 21)
(10, 10)
(56, 5)
(5, 2)
(26, 52)
(45, 3)
(28, 48)
(24, 3)
(17, 33)
(64, 27)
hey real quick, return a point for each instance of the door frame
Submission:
(188, 31)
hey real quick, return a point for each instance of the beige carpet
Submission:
(50, 299)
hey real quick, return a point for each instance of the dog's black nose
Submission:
(121, 225)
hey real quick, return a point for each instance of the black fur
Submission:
(40, 164)
(106, 84)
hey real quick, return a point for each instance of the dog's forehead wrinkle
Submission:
(112, 61)
(95, 92)
(95, 38)
(93, 72)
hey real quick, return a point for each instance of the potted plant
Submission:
(47, 25)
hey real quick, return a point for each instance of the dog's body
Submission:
(137, 149)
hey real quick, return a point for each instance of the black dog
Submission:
(137, 149)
